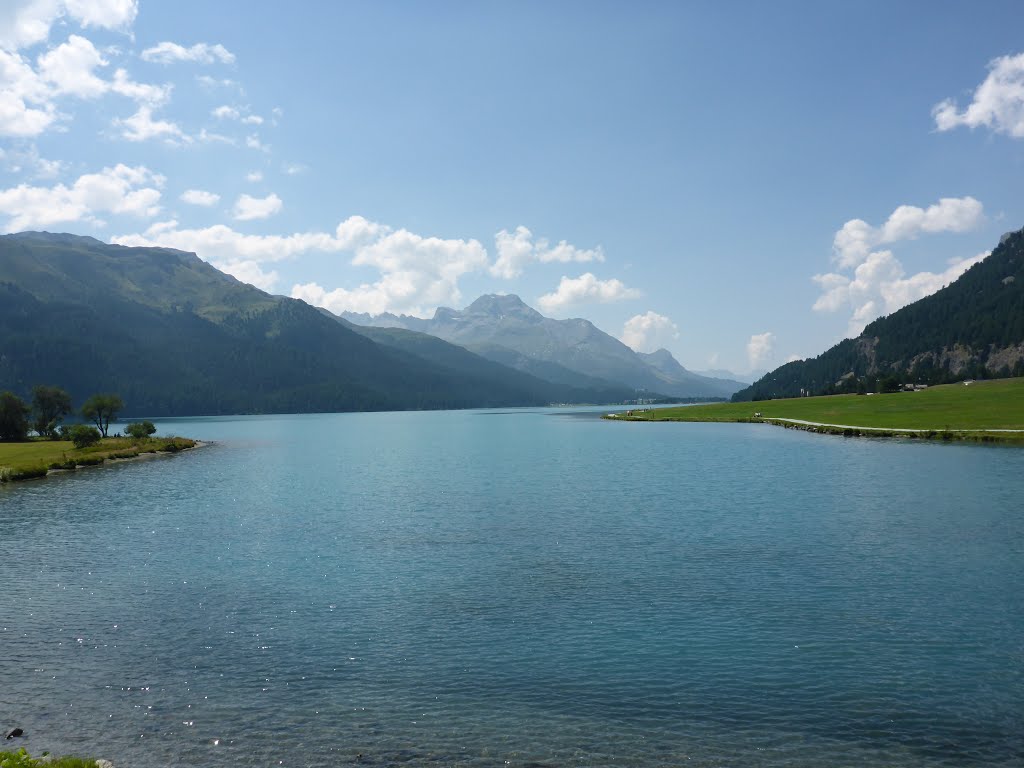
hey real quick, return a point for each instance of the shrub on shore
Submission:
(83, 435)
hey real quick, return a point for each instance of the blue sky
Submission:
(742, 183)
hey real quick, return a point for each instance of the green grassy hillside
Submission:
(997, 404)
(972, 328)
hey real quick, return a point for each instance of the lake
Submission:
(523, 588)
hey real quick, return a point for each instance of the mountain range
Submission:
(174, 336)
(972, 328)
(504, 329)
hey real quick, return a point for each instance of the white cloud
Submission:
(998, 103)
(119, 190)
(29, 161)
(222, 244)
(880, 286)
(854, 241)
(249, 272)
(28, 96)
(209, 137)
(648, 332)
(294, 169)
(200, 53)
(199, 197)
(143, 93)
(142, 127)
(248, 207)
(28, 22)
(254, 176)
(25, 106)
(70, 68)
(585, 289)
(878, 283)
(517, 249)
(253, 142)
(213, 83)
(760, 349)
(417, 274)
(226, 112)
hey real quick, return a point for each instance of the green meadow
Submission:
(23, 461)
(982, 405)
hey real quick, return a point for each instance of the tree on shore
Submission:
(101, 410)
(140, 429)
(49, 407)
(13, 418)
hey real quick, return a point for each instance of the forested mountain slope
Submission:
(174, 336)
(973, 328)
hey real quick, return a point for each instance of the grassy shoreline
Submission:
(976, 412)
(36, 458)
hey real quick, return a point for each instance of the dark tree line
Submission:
(943, 338)
(50, 405)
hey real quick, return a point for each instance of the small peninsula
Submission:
(983, 411)
(37, 458)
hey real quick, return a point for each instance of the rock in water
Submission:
(15, 733)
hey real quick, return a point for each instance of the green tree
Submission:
(13, 418)
(82, 435)
(49, 407)
(101, 410)
(140, 429)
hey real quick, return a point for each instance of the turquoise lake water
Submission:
(523, 588)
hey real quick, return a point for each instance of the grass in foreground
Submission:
(983, 405)
(21, 759)
(22, 461)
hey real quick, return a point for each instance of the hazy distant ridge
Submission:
(505, 329)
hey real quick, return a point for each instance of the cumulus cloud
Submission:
(416, 273)
(248, 207)
(27, 160)
(225, 112)
(222, 244)
(73, 69)
(70, 69)
(123, 189)
(880, 286)
(760, 349)
(583, 290)
(854, 241)
(249, 272)
(199, 197)
(200, 53)
(875, 282)
(254, 176)
(27, 22)
(26, 108)
(998, 103)
(142, 127)
(252, 141)
(648, 332)
(517, 249)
